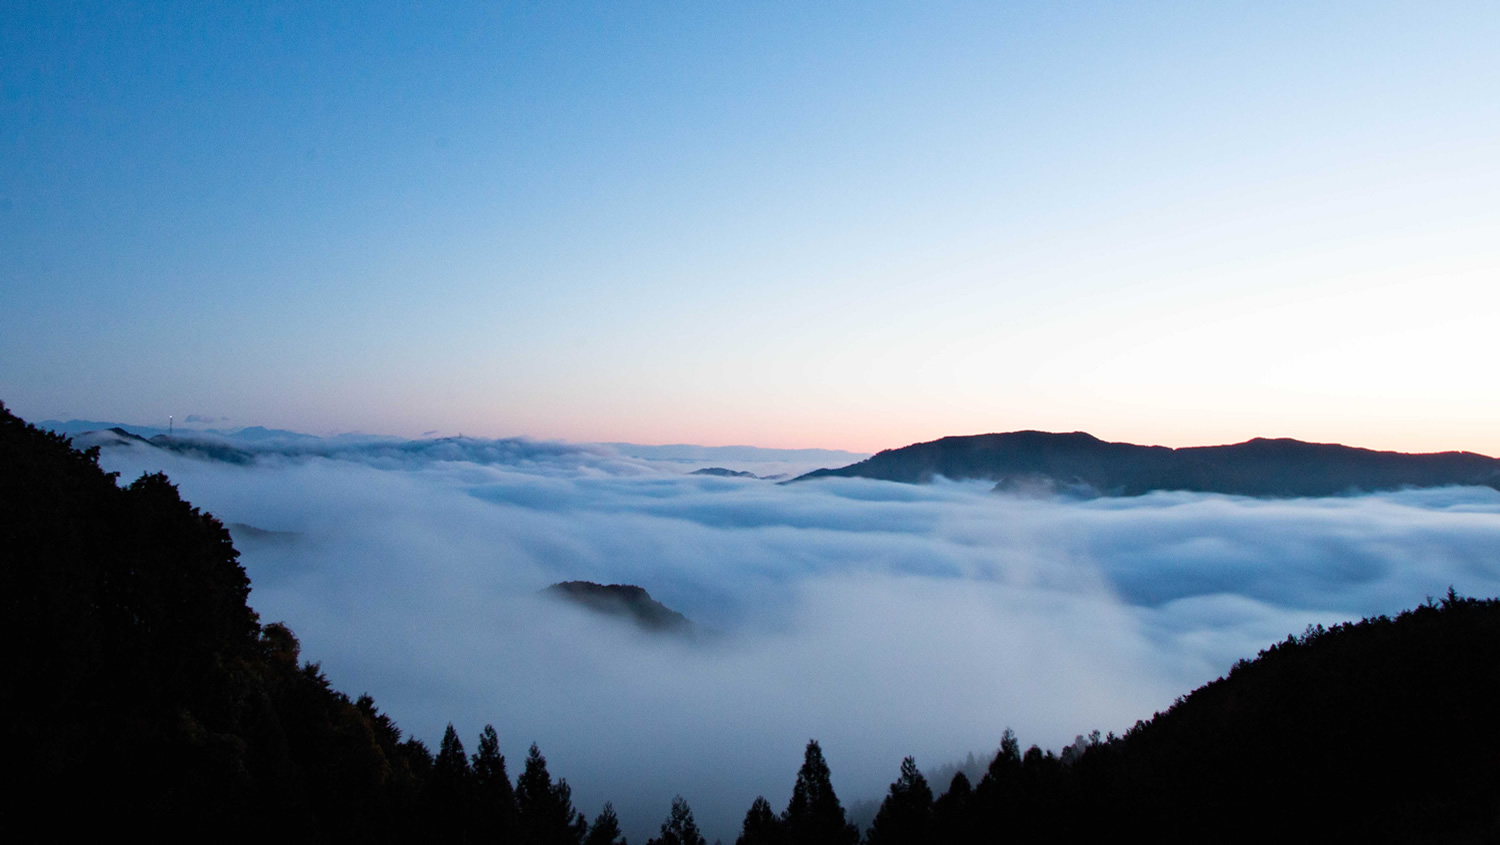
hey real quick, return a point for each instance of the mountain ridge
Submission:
(1082, 464)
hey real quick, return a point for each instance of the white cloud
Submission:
(882, 619)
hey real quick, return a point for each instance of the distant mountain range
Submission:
(254, 432)
(204, 448)
(246, 445)
(1083, 465)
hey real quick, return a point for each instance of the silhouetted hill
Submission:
(1374, 731)
(723, 472)
(1082, 464)
(625, 601)
(142, 690)
(1379, 730)
(192, 444)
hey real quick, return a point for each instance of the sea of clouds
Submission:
(882, 619)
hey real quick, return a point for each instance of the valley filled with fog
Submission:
(882, 619)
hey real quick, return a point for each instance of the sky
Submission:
(881, 619)
(829, 226)
(843, 226)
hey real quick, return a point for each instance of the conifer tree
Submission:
(814, 816)
(906, 814)
(495, 796)
(606, 828)
(545, 810)
(761, 826)
(452, 788)
(679, 828)
(452, 763)
(996, 802)
(952, 813)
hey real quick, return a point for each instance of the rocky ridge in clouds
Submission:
(1083, 465)
(624, 601)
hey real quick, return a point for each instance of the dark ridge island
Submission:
(1081, 464)
(622, 601)
(723, 472)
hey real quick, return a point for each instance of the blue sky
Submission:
(850, 226)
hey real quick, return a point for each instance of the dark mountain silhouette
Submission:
(73, 428)
(194, 445)
(1378, 730)
(1082, 464)
(142, 687)
(1374, 731)
(125, 435)
(722, 472)
(202, 449)
(625, 601)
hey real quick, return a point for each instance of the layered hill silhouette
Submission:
(1081, 464)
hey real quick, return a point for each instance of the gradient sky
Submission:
(834, 225)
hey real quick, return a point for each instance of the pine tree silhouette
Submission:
(606, 828)
(761, 826)
(493, 792)
(906, 814)
(451, 790)
(679, 828)
(814, 816)
(952, 814)
(545, 809)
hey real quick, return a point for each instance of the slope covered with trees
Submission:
(144, 691)
(1376, 731)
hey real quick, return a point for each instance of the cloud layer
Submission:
(882, 619)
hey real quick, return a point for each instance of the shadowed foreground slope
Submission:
(1377, 731)
(1383, 729)
(143, 688)
(144, 694)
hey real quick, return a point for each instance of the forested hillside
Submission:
(1375, 731)
(144, 693)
